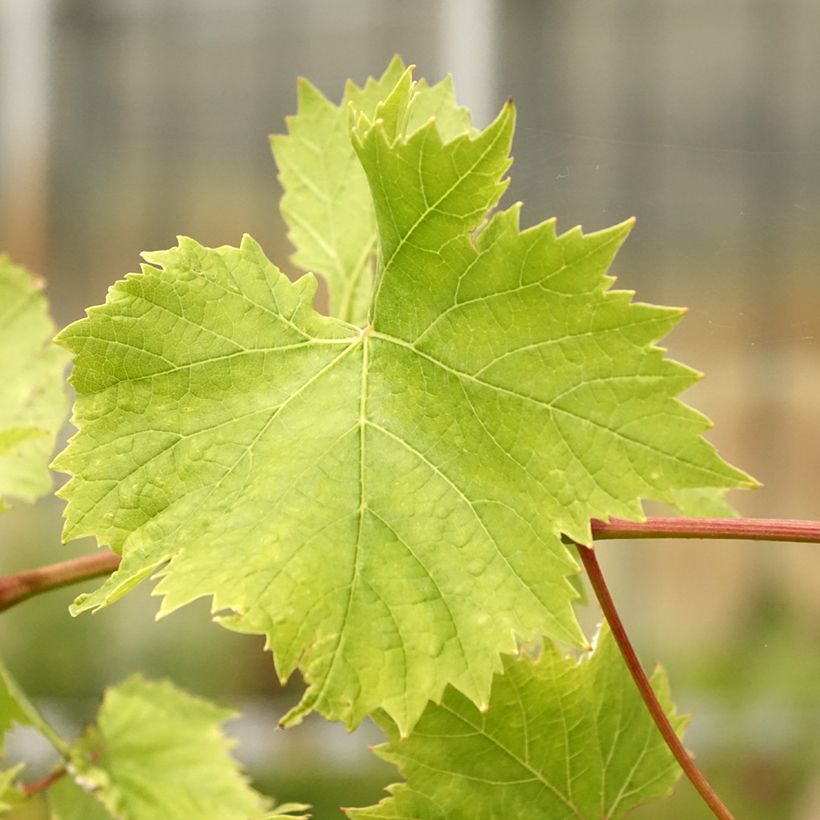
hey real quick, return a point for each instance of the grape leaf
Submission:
(16, 708)
(327, 203)
(560, 739)
(12, 706)
(158, 752)
(69, 801)
(295, 811)
(10, 794)
(385, 503)
(33, 404)
(703, 502)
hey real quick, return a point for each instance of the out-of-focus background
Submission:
(126, 122)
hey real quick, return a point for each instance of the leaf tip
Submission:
(77, 606)
(248, 241)
(396, 64)
(306, 92)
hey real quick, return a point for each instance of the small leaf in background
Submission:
(10, 793)
(295, 811)
(13, 707)
(69, 801)
(327, 203)
(16, 708)
(159, 752)
(560, 739)
(32, 393)
(702, 502)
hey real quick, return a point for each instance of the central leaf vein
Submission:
(548, 406)
(489, 149)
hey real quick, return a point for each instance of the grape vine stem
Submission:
(21, 586)
(747, 529)
(44, 782)
(696, 777)
(15, 589)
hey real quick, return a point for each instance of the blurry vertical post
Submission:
(467, 31)
(25, 45)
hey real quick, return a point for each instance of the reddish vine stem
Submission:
(748, 529)
(44, 782)
(23, 585)
(694, 774)
(17, 588)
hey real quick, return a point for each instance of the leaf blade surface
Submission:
(157, 751)
(560, 739)
(33, 404)
(385, 503)
(327, 203)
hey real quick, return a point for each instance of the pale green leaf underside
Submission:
(32, 397)
(327, 203)
(294, 811)
(385, 502)
(703, 502)
(560, 739)
(69, 801)
(159, 752)
(12, 709)
(16, 708)
(10, 794)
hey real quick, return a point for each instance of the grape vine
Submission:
(408, 480)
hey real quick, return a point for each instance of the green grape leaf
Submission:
(158, 752)
(13, 707)
(33, 403)
(703, 502)
(10, 794)
(295, 811)
(385, 503)
(327, 203)
(68, 800)
(560, 739)
(16, 708)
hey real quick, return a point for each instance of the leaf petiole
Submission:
(630, 657)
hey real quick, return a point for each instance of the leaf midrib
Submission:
(536, 775)
(429, 208)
